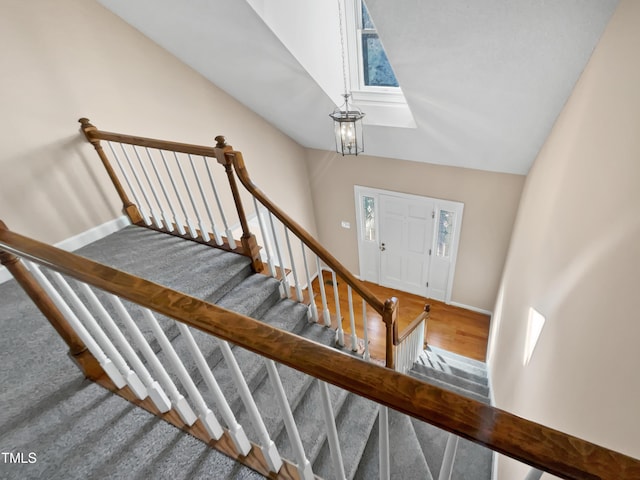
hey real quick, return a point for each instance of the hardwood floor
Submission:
(452, 328)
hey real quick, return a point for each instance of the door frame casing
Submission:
(365, 264)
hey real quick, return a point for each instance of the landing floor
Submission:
(452, 328)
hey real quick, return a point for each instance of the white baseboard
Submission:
(473, 309)
(73, 243)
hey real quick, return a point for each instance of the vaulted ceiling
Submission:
(485, 79)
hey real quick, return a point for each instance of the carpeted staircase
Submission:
(163, 452)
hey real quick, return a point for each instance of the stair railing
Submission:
(171, 187)
(410, 343)
(541, 447)
(174, 189)
(324, 260)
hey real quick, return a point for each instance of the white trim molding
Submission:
(77, 241)
(473, 309)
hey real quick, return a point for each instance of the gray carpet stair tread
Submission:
(180, 264)
(406, 457)
(432, 441)
(295, 385)
(354, 423)
(451, 356)
(252, 297)
(319, 333)
(452, 379)
(447, 386)
(453, 367)
(253, 370)
(78, 429)
(472, 461)
(309, 419)
(287, 315)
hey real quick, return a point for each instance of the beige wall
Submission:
(490, 205)
(575, 256)
(71, 58)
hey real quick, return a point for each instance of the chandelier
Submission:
(347, 119)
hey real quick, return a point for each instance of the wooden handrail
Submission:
(241, 170)
(399, 338)
(541, 447)
(96, 134)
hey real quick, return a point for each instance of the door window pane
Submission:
(368, 207)
(445, 233)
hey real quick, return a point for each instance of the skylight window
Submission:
(376, 70)
(373, 83)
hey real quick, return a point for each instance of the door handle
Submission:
(382, 247)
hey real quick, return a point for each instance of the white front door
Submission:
(406, 235)
(408, 242)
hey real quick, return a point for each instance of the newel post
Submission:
(77, 349)
(227, 157)
(389, 317)
(130, 208)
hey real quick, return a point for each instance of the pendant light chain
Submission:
(347, 120)
(344, 68)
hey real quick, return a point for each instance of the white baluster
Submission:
(129, 376)
(93, 347)
(323, 295)
(339, 330)
(534, 474)
(203, 228)
(405, 358)
(167, 221)
(243, 446)
(312, 301)
(230, 239)
(383, 446)
(145, 216)
(449, 457)
(269, 449)
(187, 221)
(419, 342)
(293, 266)
(163, 215)
(409, 350)
(206, 415)
(365, 331)
(304, 466)
(154, 215)
(352, 321)
(332, 432)
(265, 239)
(285, 282)
(190, 224)
(214, 227)
(157, 394)
(127, 351)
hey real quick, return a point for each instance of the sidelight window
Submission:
(446, 222)
(369, 218)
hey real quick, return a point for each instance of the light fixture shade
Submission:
(347, 123)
